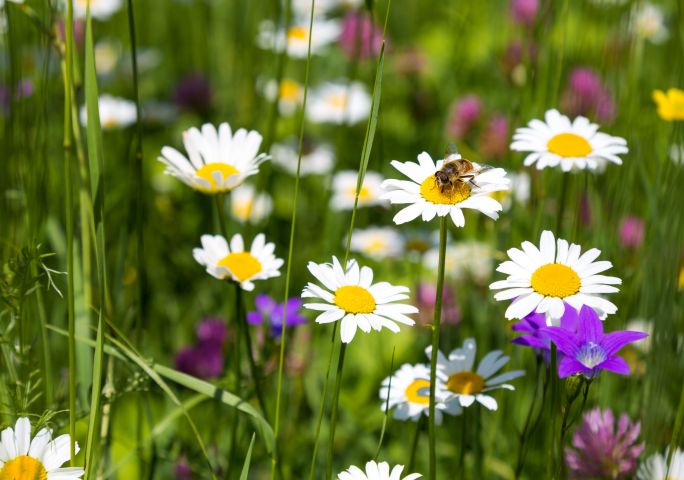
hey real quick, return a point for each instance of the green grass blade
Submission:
(248, 459)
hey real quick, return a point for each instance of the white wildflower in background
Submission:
(339, 103)
(465, 385)
(518, 192)
(233, 262)
(572, 145)
(408, 390)
(23, 458)
(317, 159)
(290, 95)
(541, 279)
(426, 199)
(344, 190)
(648, 22)
(107, 54)
(114, 112)
(351, 296)
(99, 9)
(377, 243)
(248, 206)
(656, 468)
(376, 471)
(217, 161)
(464, 260)
(296, 38)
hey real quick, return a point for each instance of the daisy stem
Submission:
(333, 412)
(68, 128)
(435, 346)
(528, 419)
(562, 203)
(567, 423)
(553, 405)
(461, 454)
(321, 410)
(414, 444)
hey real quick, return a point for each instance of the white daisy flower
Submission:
(409, 394)
(290, 95)
(377, 243)
(470, 259)
(217, 161)
(351, 296)
(344, 190)
(656, 468)
(317, 159)
(296, 38)
(519, 190)
(677, 154)
(40, 458)
(464, 386)
(376, 471)
(114, 112)
(427, 200)
(2, 2)
(233, 262)
(99, 9)
(339, 103)
(648, 22)
(541, 279)
(246, 205)
(572, 145)
(107, 54)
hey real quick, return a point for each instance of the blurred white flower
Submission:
(296, 38)
(99, 9)
(519, 190)
(290, 95)
(114, 112)
(107, 54)
(464, 260)
(344, 190)
(339, 103)
(377, 243)
(677, 154)
(649, 22)
(317, 159)
(248, 206)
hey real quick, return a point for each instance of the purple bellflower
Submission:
(589, 350)
(271, 312)
(534, 328)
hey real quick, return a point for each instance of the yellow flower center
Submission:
(298, 33)
(337, 101)
(23, 468)
(376, 245)
(465, 383)
(569, 145)
(207, 171)
(364, 193)
(243, 210)
(415, 393)
(450, 195)
(556, 280)
(289, 91)
(353, 299)
(241, 264)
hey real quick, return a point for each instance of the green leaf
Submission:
(248, 459)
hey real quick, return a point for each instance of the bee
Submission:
(455, 170)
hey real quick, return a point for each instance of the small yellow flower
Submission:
(670, 104)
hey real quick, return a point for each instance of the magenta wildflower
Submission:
(205, 358)
(193, 93)
(425, 301)
(464, 113)
(632, 232)
(585, 94)
(360, 37)
(589, 350)
(600, 450)
(182, 470)
(494, 141)
(272, 312)
(524, 12)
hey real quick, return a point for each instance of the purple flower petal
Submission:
(569, 366)
(570, 318)
(254, 318)
(614, 341)
(616, 365)
(590, 327)
(264, 303)
(564, 340)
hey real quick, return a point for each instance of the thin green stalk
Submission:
(562, 203)
(435, 347)
(387, 408)
(293, 223)
(528, 419)
(677, 431)
(567, 422)
(69, 206)
(321, 410)
(464, 439)
(554, 407)
(414, 443)
(333, 413)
